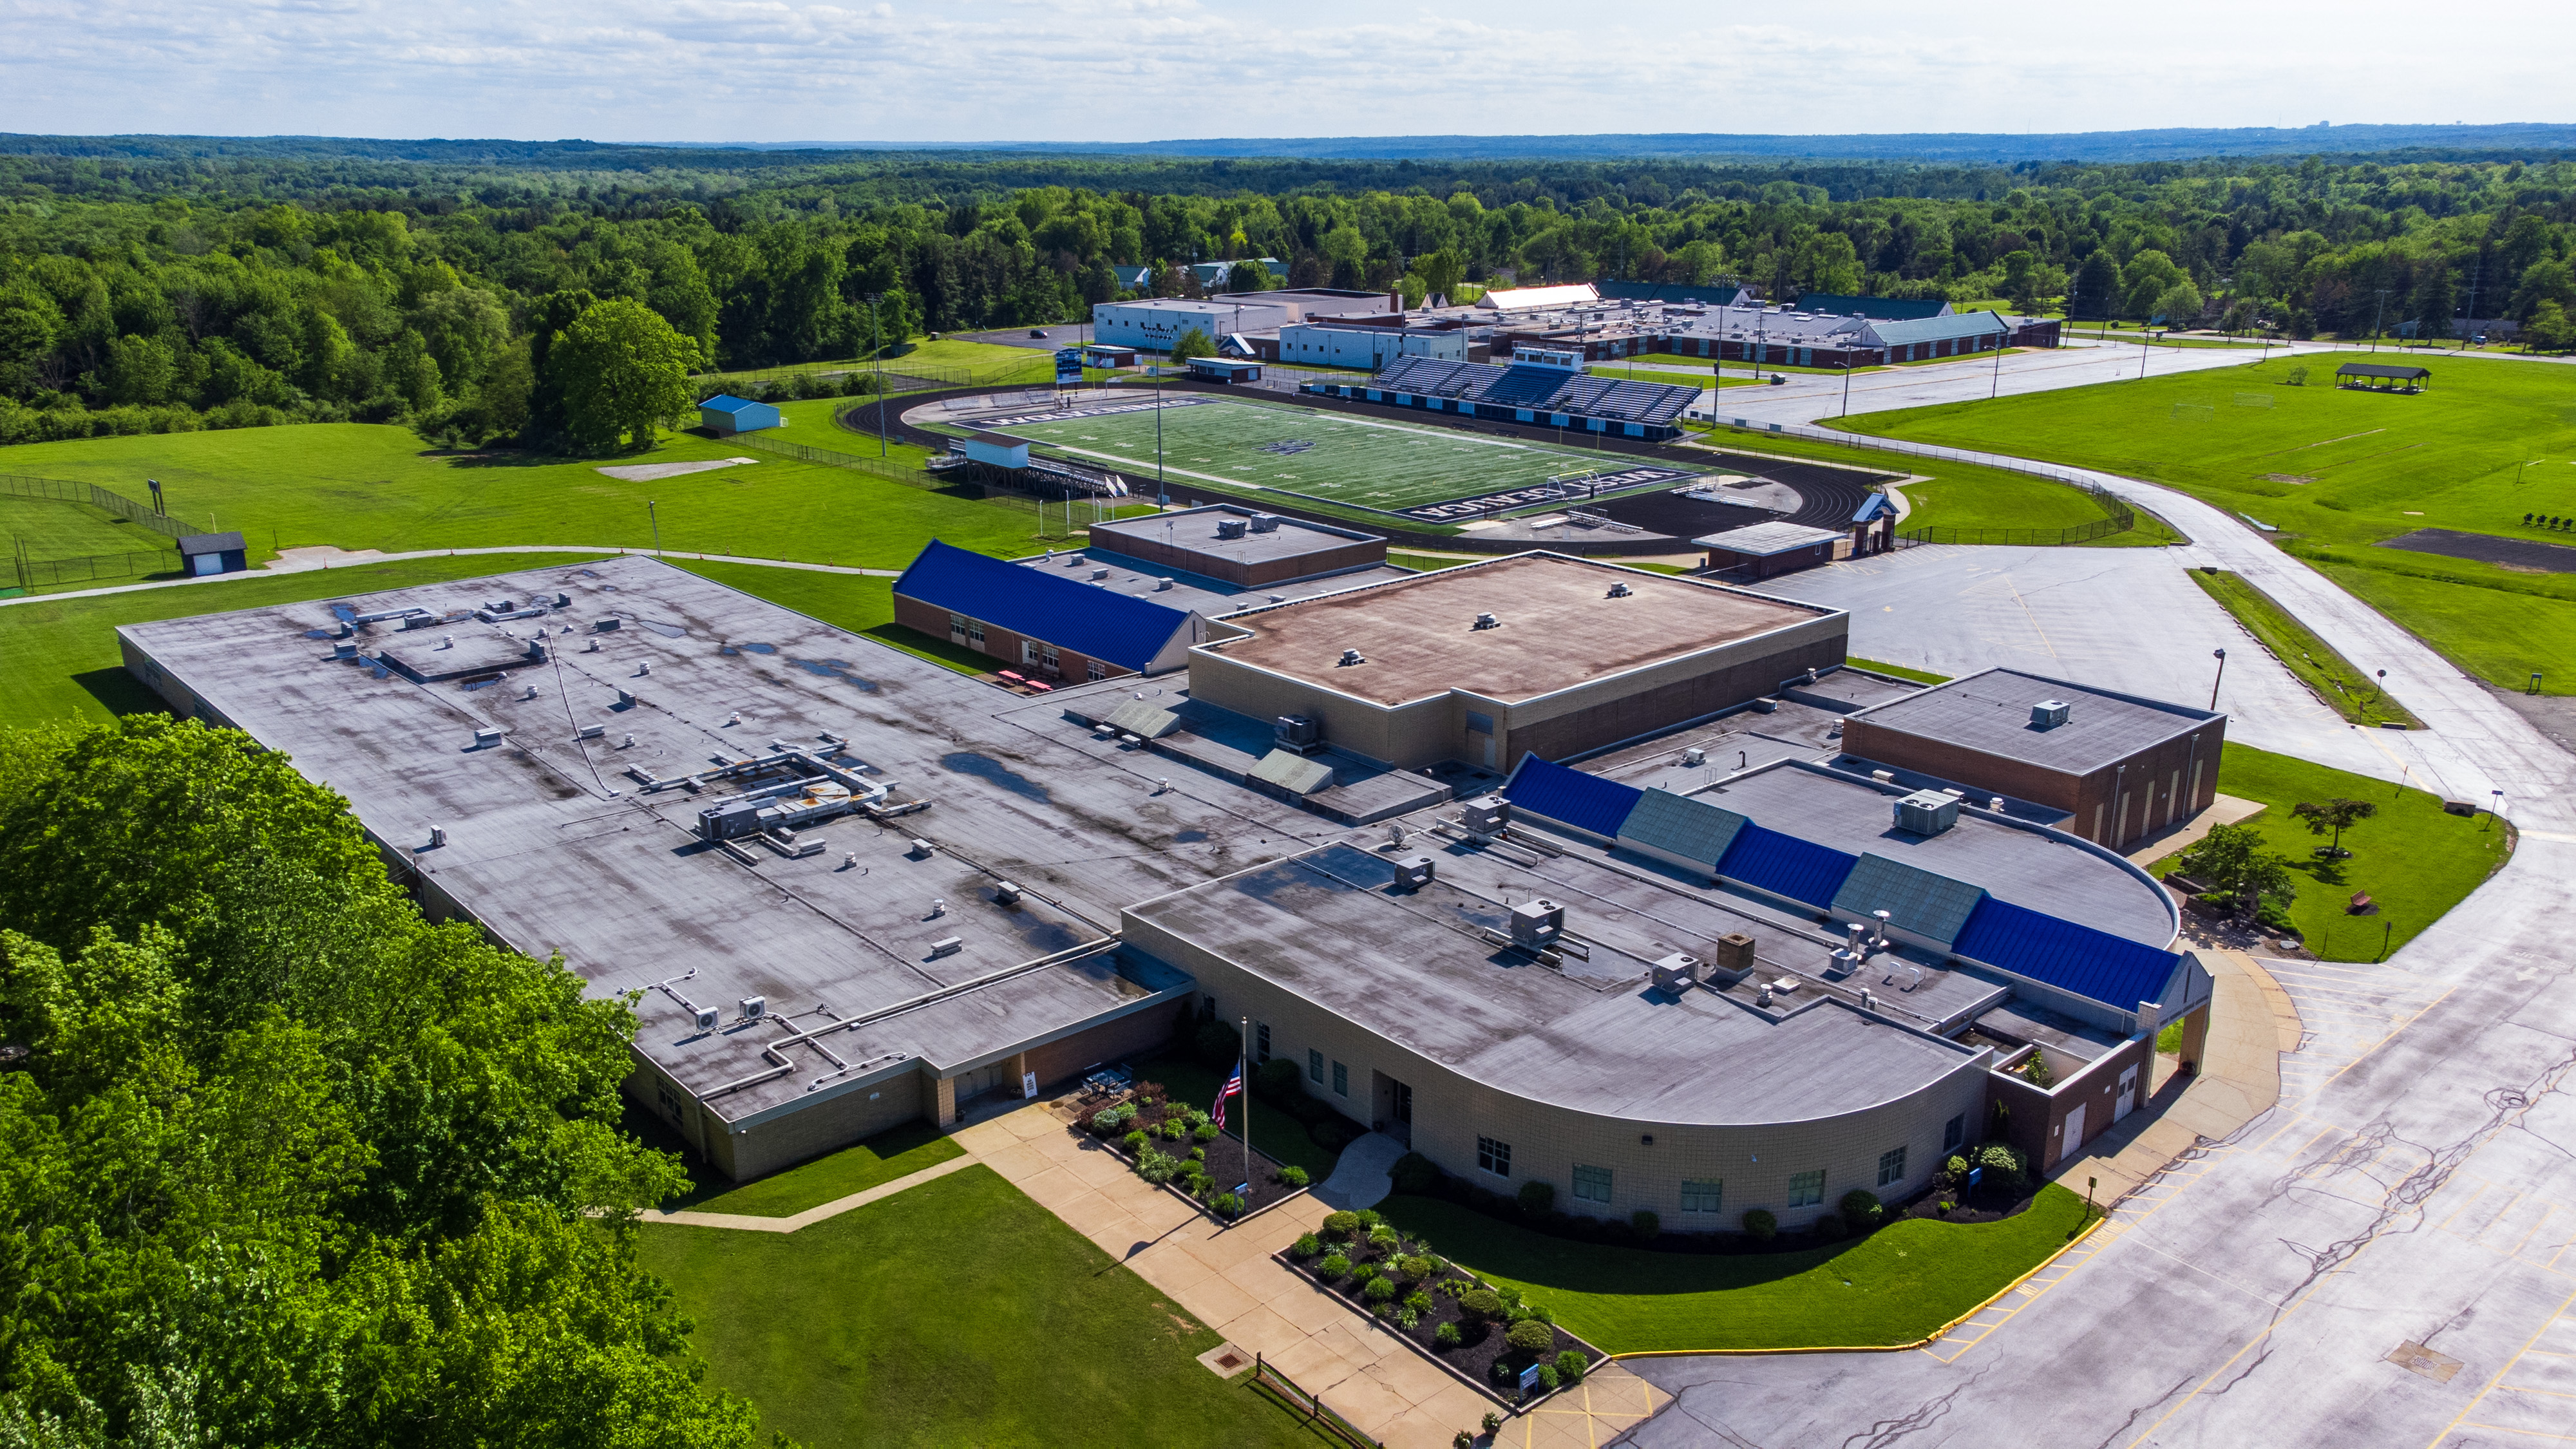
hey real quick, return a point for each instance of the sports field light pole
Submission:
(876, 336)
(1997, 389)
(2221, 656)
(656, 520)
(1846, 382)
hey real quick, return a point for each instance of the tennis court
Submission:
(1431, 474)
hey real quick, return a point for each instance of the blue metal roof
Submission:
(725, 402)
(1784, 865)
(1571, 797)
(1098, 623)
(2113, 970)
(1873, 508)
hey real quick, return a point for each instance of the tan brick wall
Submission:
(1137, 1035)
(1625, 708)
(1153, 553)
(1451, 1111)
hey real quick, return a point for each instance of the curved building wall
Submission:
(1754, 1161)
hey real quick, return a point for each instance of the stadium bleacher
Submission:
(1529, 394)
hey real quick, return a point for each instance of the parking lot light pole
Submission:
(2221, 656)
(1846, 382)
(876, 336)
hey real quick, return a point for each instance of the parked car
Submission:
(1037, 332)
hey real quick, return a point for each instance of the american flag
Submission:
(1233, 1088)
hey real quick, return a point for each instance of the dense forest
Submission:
(169, 286)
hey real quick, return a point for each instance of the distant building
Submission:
(725, 415)
(1154, 324)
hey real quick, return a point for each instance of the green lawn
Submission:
(62, 657)
(1275, 1134)
(882, 1158)
(2337, 472)
(1919, 676)
(983, 362)
(360, 485)
(2411, 858)
(2354, 694)
(51, 528)
(1902, 1283)
(956, 1312)
(1351, 461)
(854, 602)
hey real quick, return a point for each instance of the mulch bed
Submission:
(1228, 1163)
(1481, 1344)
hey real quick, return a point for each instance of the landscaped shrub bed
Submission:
(1485, 1333)
(1170, 1143)
(2005, 1188)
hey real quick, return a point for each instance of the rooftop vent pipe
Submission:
(1351, 657)
(1488, 621)
(1620, 590)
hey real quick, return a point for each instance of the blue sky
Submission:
(772, 70)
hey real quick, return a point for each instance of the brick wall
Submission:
(2162, 783)
(1154, 553)
(999, 643)
(1628, 715)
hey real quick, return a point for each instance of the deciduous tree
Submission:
(624, 372)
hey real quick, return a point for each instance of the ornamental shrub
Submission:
(1334, 1266)
(1216, 1044)
(1276, 1080)
(1293, 1176)
(1369, 1219)
(1193, 1118)
(1480, 1303)
(1531, 1335)
(1570, 1365)
(1826, 1228)
(1306, 1246)
(1547, 1378)
(1645, 1225)
(1108, 1120)
(1862, 1209)
(1205, 1131)
(1378, 1290)
(1417, 1302)
(2002, 1166)
(1227, 1205)
(1537, 1197)
(1367, 1273)
(1446, 1336)
(1539, 1311)
(1462, 1439)
(1761, 1224)
(1382, 1236)
(1135, 1141)
(1173, 1129)
(1341, 1224)
(1198, 1154)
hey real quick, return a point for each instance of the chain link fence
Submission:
(67, 491)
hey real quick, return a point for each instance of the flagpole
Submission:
(1243, 1070)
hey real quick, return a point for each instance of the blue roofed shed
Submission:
(725, 415)
(1028, 616)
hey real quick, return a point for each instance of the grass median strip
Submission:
(1919, 676)
(2349, 691)
(879, 1160)
(956, 1312)
(1900, 1284)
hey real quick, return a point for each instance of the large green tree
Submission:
(283, 1163)
(624, 373)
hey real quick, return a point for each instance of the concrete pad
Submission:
(1307, 1306)
(1263, 1330)
(1167, 1267)
(1016, 1161)
(1218, 1301)
(1360, 1178)
(1226, 1360)
(1094, 1216)
(1424, 1427)
(1051, 1187)
(1312, 1365)
(1100, 1169)
(985, 1137)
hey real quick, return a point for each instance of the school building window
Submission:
(1096, 670)
(1891, 1166)
(1341, 1080)
(1314, 1065)
(1806, 1189)
(1494, 1157)
(1954, 1133)
(1261, 1041)
(1591, 1184)
(1703, 1197)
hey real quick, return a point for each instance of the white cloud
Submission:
(1147, 69)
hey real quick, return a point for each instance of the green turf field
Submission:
(1355, 462)
(59, 528)
(2336, 472)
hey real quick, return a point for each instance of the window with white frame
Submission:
(1806, 1189)
(1703, 1196)
(1591, 1184)
(1891, 1166)
(1096, 670)
(1494, 1157)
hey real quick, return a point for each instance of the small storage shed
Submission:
(1101, 355)
(725, 415)
(1765, 550)
(1224, 369)
(213, 553)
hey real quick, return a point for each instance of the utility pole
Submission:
(656, 519)
(1846, 382)
(876, 336)
(2221, 656)
(1996, 389)
(2377, 315)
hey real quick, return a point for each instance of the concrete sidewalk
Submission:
(1225, 1277)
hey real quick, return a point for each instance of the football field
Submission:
(1427, 473)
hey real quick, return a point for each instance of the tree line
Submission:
(166, 291)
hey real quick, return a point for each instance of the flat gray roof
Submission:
(1194, 530)
(1765, 539)
(555, 847)
(1593, 1036)
(1990, 712)
(2028, 868)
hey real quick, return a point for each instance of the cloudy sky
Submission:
(1132, 70)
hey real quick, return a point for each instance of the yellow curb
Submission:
(2080, 1235)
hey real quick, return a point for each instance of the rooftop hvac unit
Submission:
(484, 739)
(946, 946)
(1413, 872)
(1265, 523)
(1351, 657)
(1694, 757)
(1537, 922)
(1161, 584)
(1297, 732)
(607, 626)
(1098, 574)
(1486, 815)
(1488, 621)
(1229, 528)
(2048, 714)
(1620, 590)
(1677, 972)
(344, 651)
(1006, 893)
(1927, 812)
(708, 1016)
(754, 1007)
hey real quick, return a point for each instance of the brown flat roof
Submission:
(1558, 629)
